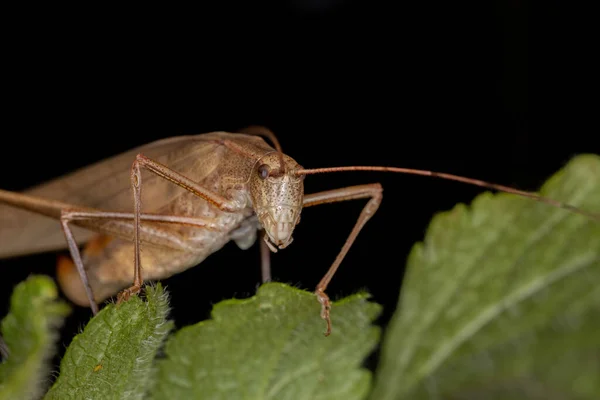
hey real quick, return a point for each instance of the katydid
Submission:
(235, 185)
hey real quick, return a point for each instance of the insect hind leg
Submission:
(117, 224)
(64, 223)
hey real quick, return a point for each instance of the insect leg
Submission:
(122, 229)
(110, 223)
(74, 250)
(372, 191)
(265, 258)
(178, 179)
(141, 161)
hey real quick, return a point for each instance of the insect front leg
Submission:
(375, 194)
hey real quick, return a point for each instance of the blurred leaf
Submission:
(502, 300)
(112, 358)
(271, 346)
(30, 331)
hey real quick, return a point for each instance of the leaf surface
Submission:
(502, 300)
(30, 331)
(112, 358)
(271, 346)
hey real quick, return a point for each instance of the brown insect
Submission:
(203, 191)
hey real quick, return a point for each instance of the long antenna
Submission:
(458, 178)
(266, 132)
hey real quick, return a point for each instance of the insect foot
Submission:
(127, 293)
(325, 308)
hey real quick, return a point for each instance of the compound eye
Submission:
(263, 171)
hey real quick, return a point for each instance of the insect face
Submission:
(277, 194)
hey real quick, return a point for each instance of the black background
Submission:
(435, 86)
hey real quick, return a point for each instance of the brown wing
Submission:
(106, 185)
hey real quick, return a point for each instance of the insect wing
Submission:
(106, 185)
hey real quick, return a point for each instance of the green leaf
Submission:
(502, 300)
(112, 358)
(30, 331)
(271, 346)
